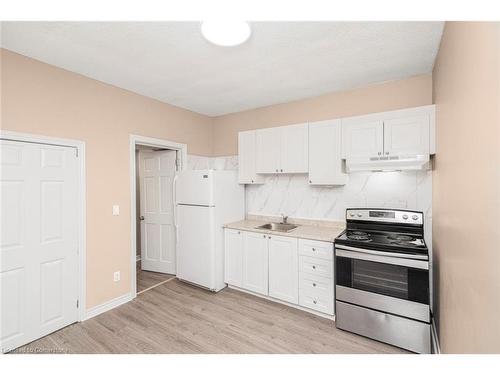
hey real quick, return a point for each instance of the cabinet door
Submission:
(294, 149)
(325, 160)
(284, 269)
(268, 150)
(233, 254)
(247, 158)
(255, 262)
(407, 136)
(362, 139)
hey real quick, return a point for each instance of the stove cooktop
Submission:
(385, 241)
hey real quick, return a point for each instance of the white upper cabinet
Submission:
(247, 158)
(283, 149)
(406, 136)
(268, 150)
(284, 268)
(405, 132)
(363, 138)
(294, 149)
(325, 159)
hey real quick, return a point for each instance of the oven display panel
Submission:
(383, 214)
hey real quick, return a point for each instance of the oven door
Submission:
(383, 281)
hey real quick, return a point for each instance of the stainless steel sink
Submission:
(278, 227)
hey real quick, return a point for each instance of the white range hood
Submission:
(388, 163)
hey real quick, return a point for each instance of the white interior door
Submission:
(156, 174)
(39, 241)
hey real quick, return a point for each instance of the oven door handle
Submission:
(362, 255)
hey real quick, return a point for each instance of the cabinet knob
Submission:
(282, 170)
(310, 181)
(269, 237)
(314, 284)
(239, 232)
(314, 249)
(315, 302)
(314, 267)
(264, 236)
(276, 170)
(252, 181)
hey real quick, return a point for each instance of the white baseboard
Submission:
(436, 349)
(106, 306)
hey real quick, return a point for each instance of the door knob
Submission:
(141, 217)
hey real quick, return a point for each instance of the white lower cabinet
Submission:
(284, 269)
(233, 255)
(296, 271)
(255, 262)
(316, 276)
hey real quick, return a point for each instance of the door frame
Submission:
(136, 140)
(82, 203)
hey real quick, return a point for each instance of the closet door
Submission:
(39, 241)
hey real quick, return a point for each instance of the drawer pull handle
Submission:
(314, 267)
(314, 284)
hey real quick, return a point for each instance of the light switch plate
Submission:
(116, 276)
(116, 210)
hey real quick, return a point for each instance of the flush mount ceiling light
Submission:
(226, 33)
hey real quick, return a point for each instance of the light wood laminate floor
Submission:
(148, 279)
(179, 318)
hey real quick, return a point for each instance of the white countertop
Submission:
(310, 232)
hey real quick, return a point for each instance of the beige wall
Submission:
(411, 92)
(40, 98)
(466, 188)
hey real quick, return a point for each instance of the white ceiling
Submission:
(281, 62)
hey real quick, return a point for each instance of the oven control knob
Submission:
(414, 217)
(405, 217)
(352, 214)
(359, 215)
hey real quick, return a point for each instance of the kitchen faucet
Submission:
(284, 219)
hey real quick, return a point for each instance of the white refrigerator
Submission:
(205, 200)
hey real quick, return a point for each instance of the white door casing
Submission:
(39, 240)
(156, 174)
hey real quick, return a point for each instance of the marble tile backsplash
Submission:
(292, 195)
(196, 162)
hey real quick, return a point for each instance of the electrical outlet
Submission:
(116, 276)
(116, 210)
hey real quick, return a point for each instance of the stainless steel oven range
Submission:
(382, 278)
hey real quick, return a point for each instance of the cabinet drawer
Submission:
(316, 266)
(316, 300)
(316, 249)
(315, 282)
